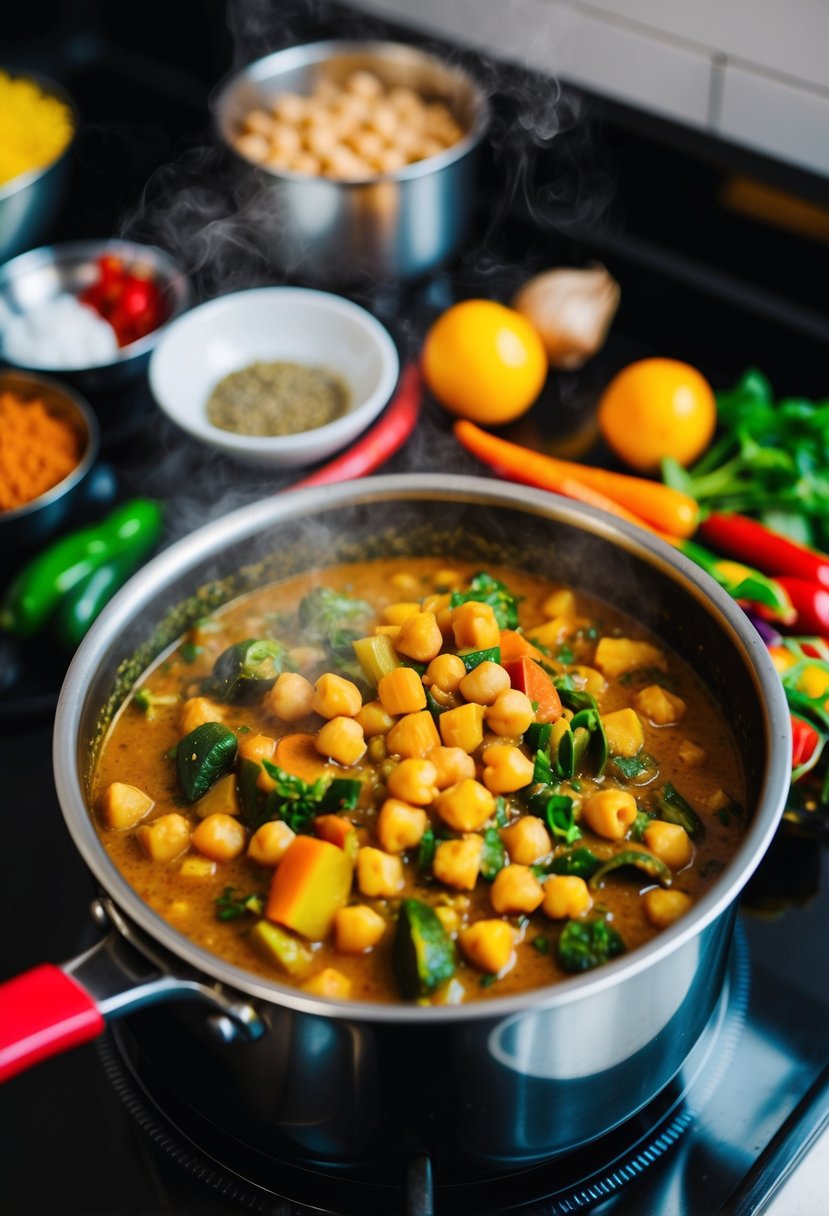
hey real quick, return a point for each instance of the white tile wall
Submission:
(755, 71)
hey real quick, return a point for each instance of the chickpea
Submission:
(489, 945)
(401, 691)
(289, 108)
(662, 907)
(526, 841)
(374, 719)
(336, 697)
(610, 813)
(516, 891)
(123, 806)
(341, 740)
(165, 838)
(484, 683)
(465, 807)
(506, 769)
(420, 637)
(445, 672)
(291, 697)
(510, 714)
(269, 843)
(414, 780)
(457, 862)
(253, 147)
(220, 837)
(329, 982)
(259, 122)
(475, 627)
(400, 826)
(379, 874)
(452, 764)
(364, 84)
(566, 895)
(670, 842)
(406, 583)
(358, 929)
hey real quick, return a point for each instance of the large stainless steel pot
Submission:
(504, 1082)
(336, 233)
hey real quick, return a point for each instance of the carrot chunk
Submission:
(311, 883)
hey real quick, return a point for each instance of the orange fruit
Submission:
(657, 408)
(484, 361)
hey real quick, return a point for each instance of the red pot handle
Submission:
(42, 1012)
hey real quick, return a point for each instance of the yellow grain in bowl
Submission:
(35, 127)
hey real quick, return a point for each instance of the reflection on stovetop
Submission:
(683, 1154)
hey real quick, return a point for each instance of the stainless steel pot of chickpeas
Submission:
(359, 159)
(460, 879)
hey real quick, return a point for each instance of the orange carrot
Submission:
(661, 507)
(310, 884)
(297, 754)
(337, 830)
(515, 646)
(529, 678)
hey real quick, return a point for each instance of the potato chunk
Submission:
(123, 806)
(616, 656)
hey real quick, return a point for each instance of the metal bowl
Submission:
(29, 202)
(38, 276)
(334, 233)
(30, 524)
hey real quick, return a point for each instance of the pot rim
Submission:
(253, 519)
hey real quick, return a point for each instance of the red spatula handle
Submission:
(43, 1012)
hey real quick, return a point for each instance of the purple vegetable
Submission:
(767, 632)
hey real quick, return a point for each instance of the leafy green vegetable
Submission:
(630, 767)
(493, 855)
(769, 459)
(472, 658)
(501, 812)
(560, 814)
(229, 906)
(292, 799)
(323, 613)
(484, 589)
(581, 862)
(585, 944)
(537, 736)
(640, 823)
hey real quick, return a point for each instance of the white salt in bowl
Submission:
(269, 324)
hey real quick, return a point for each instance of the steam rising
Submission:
(196, 208)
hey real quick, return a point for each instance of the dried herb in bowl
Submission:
(277, 398)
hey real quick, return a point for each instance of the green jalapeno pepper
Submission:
(133, 528)
(79, 607)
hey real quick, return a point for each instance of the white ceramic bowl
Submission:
(266, 324)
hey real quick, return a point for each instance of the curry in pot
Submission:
(395, 780)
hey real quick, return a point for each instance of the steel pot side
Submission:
(334, 233)
(527, 1075)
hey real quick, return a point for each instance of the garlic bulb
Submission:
(572, 311)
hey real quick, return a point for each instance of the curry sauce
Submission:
(505, 781)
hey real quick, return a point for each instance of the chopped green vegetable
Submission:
(560, 814)
(484, 589)
(292, 799)
(229, 906)
(472, 658)
(426, 851)
(537, 736)
(585, 944)
(630, 767)
(423, 954)
(673, 808)
(377, 656)
(639, 825)
(280, 948)
(541, 944)
(244, 672)
(501, 812)
(581, 862)
(148, 701)
(493, 855)
(202, 757)
(648, 863)
(189, 652)
(324, 612)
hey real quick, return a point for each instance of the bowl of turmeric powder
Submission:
(49, 442)
(38, 123)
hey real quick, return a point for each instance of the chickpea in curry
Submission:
(404, 780)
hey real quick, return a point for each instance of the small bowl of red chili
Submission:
(90, 312)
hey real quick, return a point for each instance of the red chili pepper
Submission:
(380, 442)
(752, 542)
(804, 740)
(810, 602)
